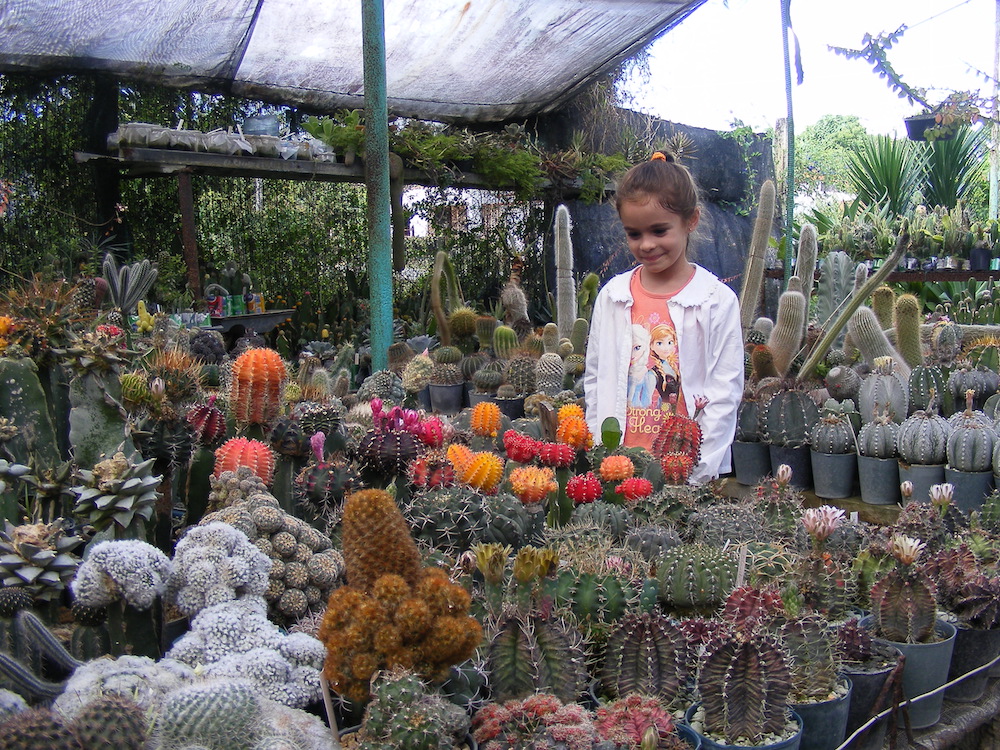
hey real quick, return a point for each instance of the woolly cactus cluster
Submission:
(304, 568)
(236, 640)
(233, 486)
(130, 570)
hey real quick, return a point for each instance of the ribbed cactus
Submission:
(255, 394)
(645, 653)
(972, 440)
(520, 373)
(787, 418)
(505, 342)
(531, 654)
(980, 380)
(565, 288)
(549, 374)
(488, 379)
(253, 454)
(212, 714)
(118, 494)
(812, 663)
(843, 382)
(446, 373)
(578, 336)
(744, 683)
(867, 334)
(694, 575)
(833, 434)
(746, 421)
(906, 322)
(836, 283)
(595, 600)
(485, 325)
(923, 438)
(805, 262)
(111, 721)
(904, 599)
(885, 388)
(417, 373)
(762, 363)
(877, 438)
(946, 342)
(406, 715)
(376, 540)
(753, 274)
(447, 355)
(451, 519)
(462, 321)
(924, 380)
(789, 327)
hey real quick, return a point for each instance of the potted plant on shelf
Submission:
(904, 614)
(873, 667)
(785, 422)
(833, 451)
(751, 457)
(970, 455)
(878, 467)
(447, 386)
(922, 444)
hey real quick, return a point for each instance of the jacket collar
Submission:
(697, 292)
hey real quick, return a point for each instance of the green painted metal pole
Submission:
(377, 180)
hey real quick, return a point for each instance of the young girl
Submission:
(697, 350)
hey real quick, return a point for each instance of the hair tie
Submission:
(658, 156)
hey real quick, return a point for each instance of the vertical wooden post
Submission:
(185, 196)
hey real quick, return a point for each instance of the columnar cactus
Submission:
(867, 334)
(789, 327)
(906, 321)
(753, 275)
(812, 661)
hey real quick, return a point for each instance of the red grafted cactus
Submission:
(253, 454)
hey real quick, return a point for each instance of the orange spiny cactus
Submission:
(532, 484)
(253, 454)
(573, 431)
(460, 457)
(616, 468)
(483, 471)
(258, 375)
(485, 420)
(569, 410)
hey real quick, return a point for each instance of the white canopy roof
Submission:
(459, 60)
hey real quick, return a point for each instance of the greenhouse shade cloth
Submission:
(461, 61)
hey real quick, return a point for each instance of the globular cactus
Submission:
(482, 470)
(321, 487)
(946, 342)
(971, 442)
(488, 379)
(549, 371)
(462, 322)
(923, 438)
(417, 373)
(383, 384)
(110, 721)
(118, 494)
(694, 575)
(746, 421)
(877, 438)
(843, 382)
(531, 654)
(744, 682)
(521, 373)
(212, 714)
(470, 364)
(595, 600)
(37, 728)
(727, 523)
(980, 380)
(255, 394)
(645, 653)
(253, 454)
(906, 322)
(904, 599)
(485, 419)
(787, 417)
(884, 388)
(652, 541)
(208, 423)
(789, 327)
(762, 363)
(505, 342)
(612, 519)
(678, 434)
(924, 380)
(388, 452)
(833, 434)
(511, 524)
(451, 519)
(485, 326)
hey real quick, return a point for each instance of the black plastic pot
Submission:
(799, 461)
(447, 399)
(971, 487)
(824, 724)
(751, 462)
(833, 475)
(879, 480)
(973, 649)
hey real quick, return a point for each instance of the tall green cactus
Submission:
(813, 666)
(836, 284)
(906, 322)
(883, 303)
(565, 288)
(789, 326)
(867, 334)
(805, 262)
(753, 273)
(505, 342)
(833, 330)
(587, 294)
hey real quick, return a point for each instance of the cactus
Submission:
(127, 284)
(510, 523)
(727, 523)
(678, 434)
(645, 653)
(843, 382)
(866, 334)
(883, 304)
(811, 659)
(417, 373)
(595, 600)
(946, 342)
(565, 288)
(118, 494)
(753, 274)
(971, 442)
(980, 380)
(531, 654)
(789, 327)
(744, 682)
(805, 262)
(885, 388)
(693, 575)
(377, 541)
(923, 438)
(746, 421)
(38, 728)
(924, 380)
(762, 363)
(488, 379)
(877, 438)
(906, 322)
(255, 395)
(110, 721)
(520, 373)
(505, 342)
(612, 519)
(549, 374)
(836, 283)
(903, 600)
(404, 714)
(450, 519)
(833, 434)
(578, 336)
(212, 714)
(787, 417)
(253, 454)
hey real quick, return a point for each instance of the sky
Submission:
(724, 65)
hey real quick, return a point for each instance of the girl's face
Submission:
(658, 239)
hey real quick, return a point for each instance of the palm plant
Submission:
(952, 166)
(885, 171)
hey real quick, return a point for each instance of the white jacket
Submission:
(706, 314)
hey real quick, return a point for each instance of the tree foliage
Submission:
(823, 151)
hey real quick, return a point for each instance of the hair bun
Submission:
(659, 156)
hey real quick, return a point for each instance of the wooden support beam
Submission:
(185, 196)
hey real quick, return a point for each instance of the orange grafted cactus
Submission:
(616, 468)
(253, 454)
(573, 431)
(460, 457)
(483, 471)
(569, 410)
(258, 375)
(485, 420)
(532, 484)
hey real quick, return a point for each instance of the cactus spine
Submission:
(565, 289)
(753, 274)
(867, 334)
(786, 337)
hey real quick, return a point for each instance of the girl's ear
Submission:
(693, 224)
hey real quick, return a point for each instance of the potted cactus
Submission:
(751, 457)
(904, 614)
(784, 423)
(970, 456)
(878, 467)
(447, 385)
(922, 444)
(884, 387)
(833, 451)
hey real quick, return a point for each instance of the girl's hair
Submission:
(664, 179)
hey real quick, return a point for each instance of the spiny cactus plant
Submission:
(646, 653)
(694, 575)
(884, 388)
(212, 714)
(923, 438)
(787, 417)
(451, 519)
(240, 452)
(971, 441)
(255, 395)
(812, 660)
(904, 599)
(877, 438)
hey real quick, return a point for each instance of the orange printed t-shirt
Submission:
(654, 375)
